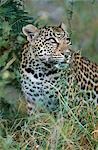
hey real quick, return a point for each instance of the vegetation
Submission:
(12, 19)
(75, 128)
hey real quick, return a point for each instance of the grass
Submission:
(74, 128)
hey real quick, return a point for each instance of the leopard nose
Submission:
(60, 54)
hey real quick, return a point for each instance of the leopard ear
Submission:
(63, 26)
(30, 31)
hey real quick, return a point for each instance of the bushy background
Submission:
(75, 128)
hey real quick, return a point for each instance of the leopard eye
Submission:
(59, 34)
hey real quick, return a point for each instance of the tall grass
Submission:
(73, 128)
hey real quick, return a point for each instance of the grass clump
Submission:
(74, 128)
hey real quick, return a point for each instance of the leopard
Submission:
(50, 69)
(40, 78)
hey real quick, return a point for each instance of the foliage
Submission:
(74, 128)
(12, 19)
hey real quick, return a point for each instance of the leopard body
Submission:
(43, 81)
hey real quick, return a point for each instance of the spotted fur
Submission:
(43, 79)
(40, 79)
(86, 76)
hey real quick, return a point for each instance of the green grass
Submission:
(74, 128)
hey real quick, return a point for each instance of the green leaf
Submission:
(3, 59)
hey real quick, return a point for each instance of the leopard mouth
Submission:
(56, 59)
(53, 59)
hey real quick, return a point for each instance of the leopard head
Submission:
(49, 44)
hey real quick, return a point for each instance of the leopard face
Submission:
(49, 44)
